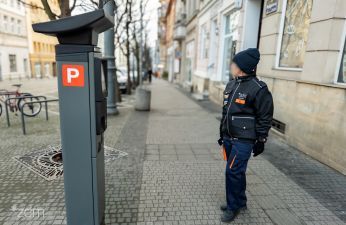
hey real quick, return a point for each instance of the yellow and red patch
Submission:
(240, 101)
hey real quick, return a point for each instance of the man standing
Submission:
(246, 120)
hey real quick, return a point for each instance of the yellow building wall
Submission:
(41, 47)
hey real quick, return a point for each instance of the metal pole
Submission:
(109, 6)
(46, 108)
(140, 45)
(7, 116)
(23, 123)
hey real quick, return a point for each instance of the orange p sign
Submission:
(73, 75)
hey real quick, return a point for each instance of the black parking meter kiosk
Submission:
(83, 115)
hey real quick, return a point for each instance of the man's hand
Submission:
(258, 148)
(220, 141)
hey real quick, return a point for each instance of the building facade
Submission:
(189, 44)
(14, 51)
(303, 61)
(224, 28)
(302, 43)
(161, 42)
(170, 42)
(41, 47)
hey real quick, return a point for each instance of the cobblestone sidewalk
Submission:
(173, 173)
(183, 174)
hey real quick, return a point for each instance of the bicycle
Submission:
(15, 105)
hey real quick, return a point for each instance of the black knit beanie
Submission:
(247, 60)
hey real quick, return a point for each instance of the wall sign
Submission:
(271, 6)
(73, 75)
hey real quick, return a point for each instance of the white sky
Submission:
(151, 15)
(150, 18)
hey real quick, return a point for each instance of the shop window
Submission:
(13, 63)
(342, 71)
(297, 15)
(230, 38)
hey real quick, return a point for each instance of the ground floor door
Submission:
(252, 23)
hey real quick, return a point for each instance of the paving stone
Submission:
(270, 202)
(173, 173)
(284, 217)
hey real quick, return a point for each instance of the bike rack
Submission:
(46, 109)
(20, 97)
(9, 93)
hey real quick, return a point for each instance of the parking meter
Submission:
(82, 85)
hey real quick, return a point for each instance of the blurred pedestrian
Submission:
(246, 119)
(150, 74)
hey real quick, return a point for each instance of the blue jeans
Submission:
(238, 154)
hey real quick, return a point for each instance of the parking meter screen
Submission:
(104, 77)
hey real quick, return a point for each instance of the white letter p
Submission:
(72, 73)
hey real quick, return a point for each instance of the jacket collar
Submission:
(245, 78)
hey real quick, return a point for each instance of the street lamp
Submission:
(109, 6)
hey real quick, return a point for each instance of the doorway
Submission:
(252, 23)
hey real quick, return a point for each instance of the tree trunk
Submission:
(64, 8)
(129, 19)
(138, 62)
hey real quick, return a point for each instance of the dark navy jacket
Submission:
(247, 109)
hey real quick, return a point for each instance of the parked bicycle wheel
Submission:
(30, 109)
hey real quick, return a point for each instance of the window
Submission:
(5, 23)
(212, 47)
(12, 25)
(342, 70)
(38, 69)
(19, 27)
(190, 51)
(296, 21)
(230, 38)
(25, 64)
(203, 43)
(47, 69)
(13, 63)
(191, 8)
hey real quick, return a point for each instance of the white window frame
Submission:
(221, 48)
(212, 57)
(339, 61)
(222, 44)
(278, 47)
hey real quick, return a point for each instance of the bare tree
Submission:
(128, 54)
(65, 7)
